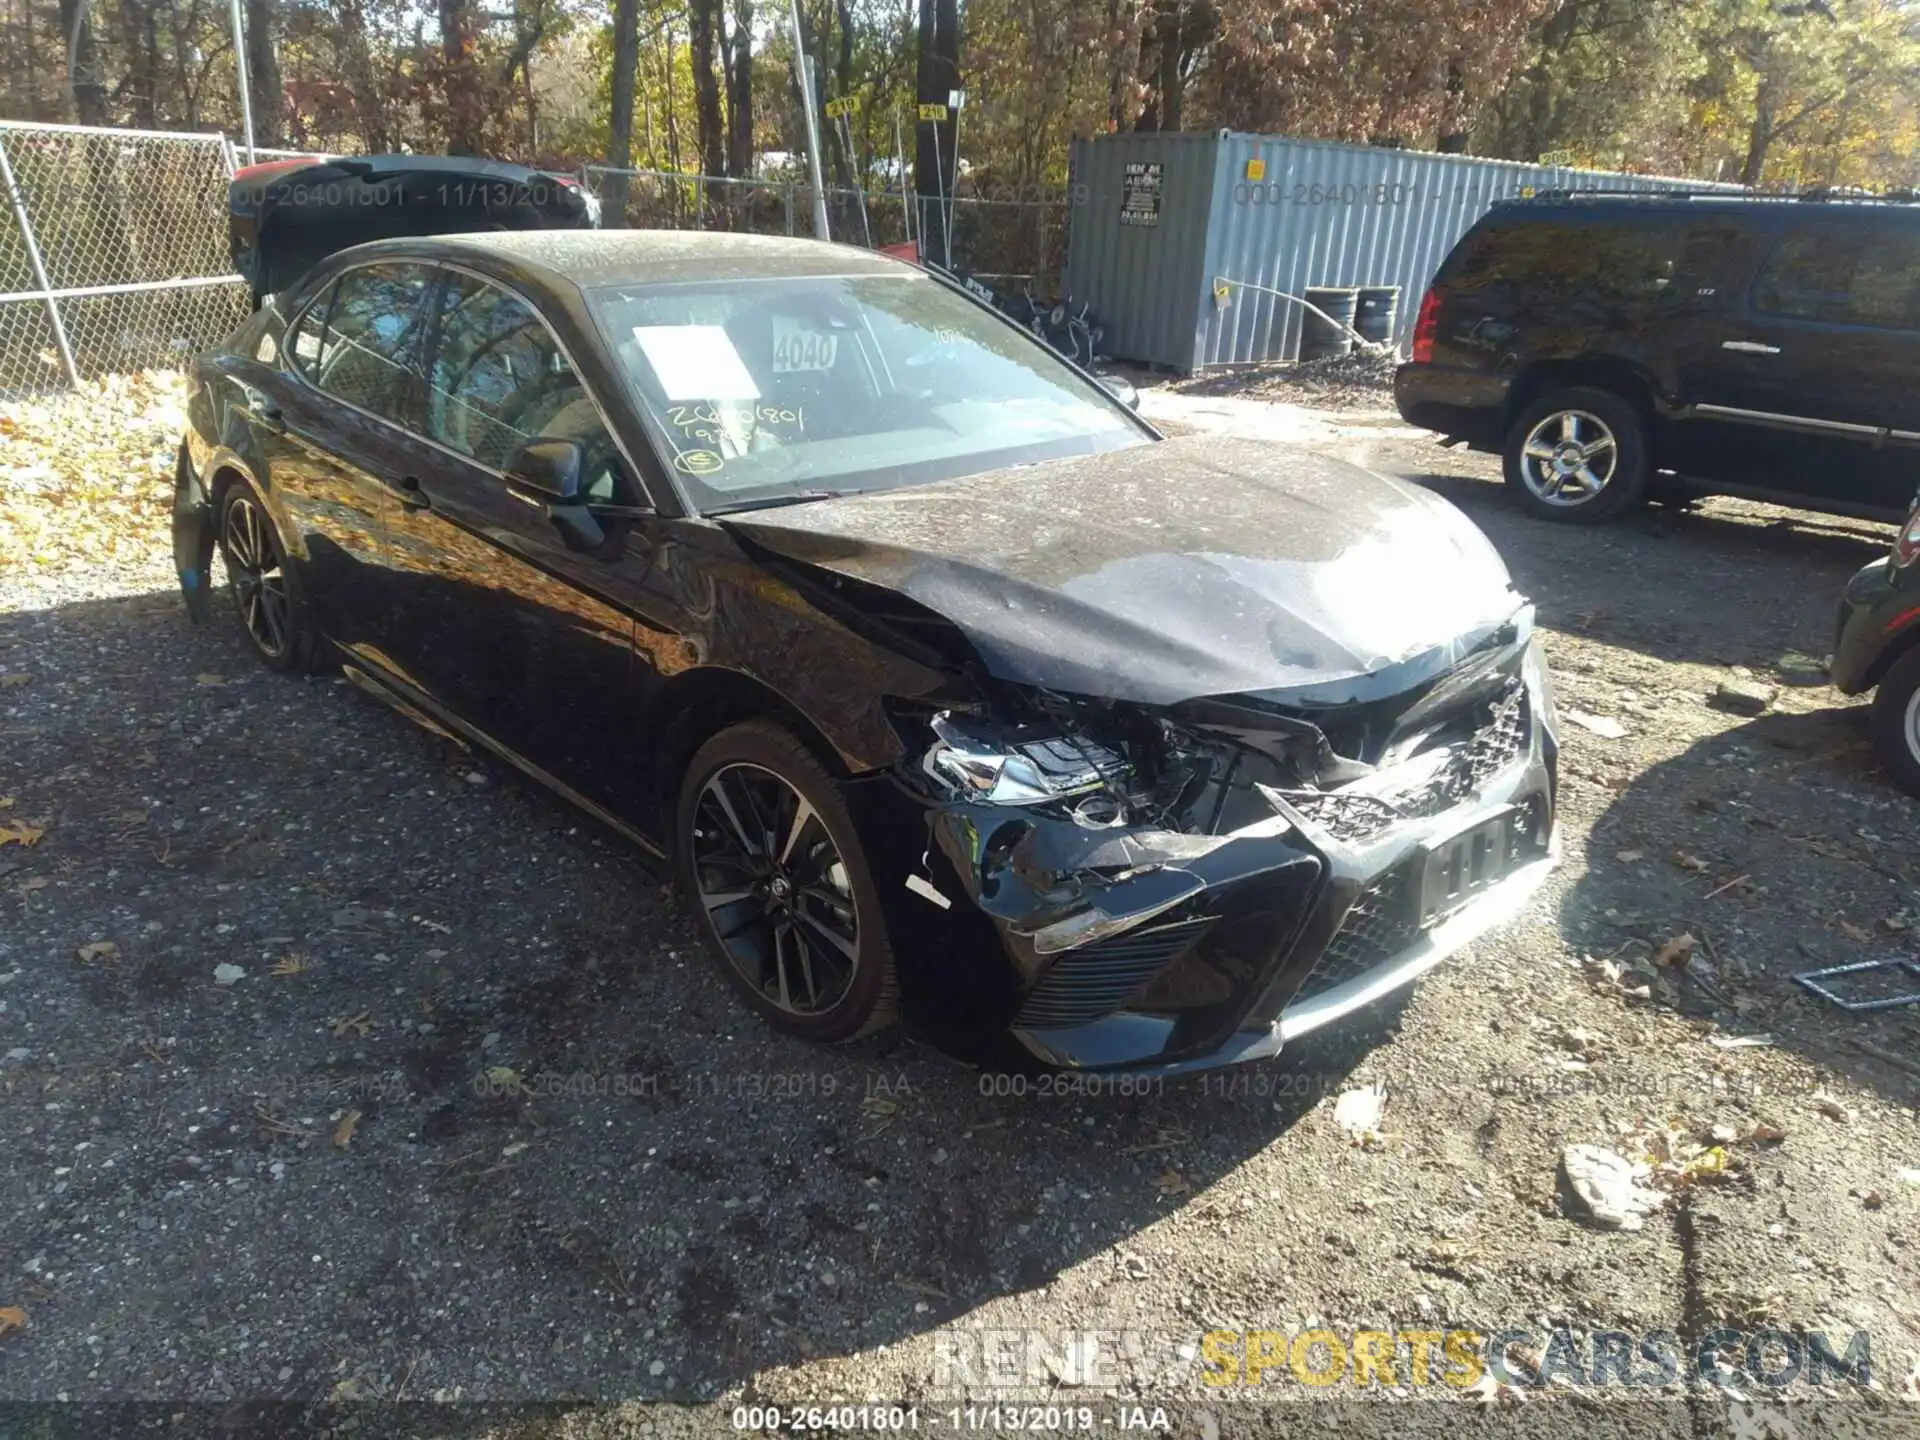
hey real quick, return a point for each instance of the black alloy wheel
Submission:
(769, 858)
(263, 587)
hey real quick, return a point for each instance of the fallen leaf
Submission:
(104, 952)
(6, 802)
(32, 883)
(507, 1152)
(294, 962)
(1676, 950)
(228, 974)
(1738, 1042)
(1873, 1200)
(1171, 1182)
(342, 1026)
(1832, 1109)
(1689, 862)
(1627, 857)
(208, 678)
(879, 1105)
(16, 678)
(12, 1317)
(1765, 1134)
(18, 832)
(1358, 1112)
(343, 1132)
(1853, 931)
(505, 1079)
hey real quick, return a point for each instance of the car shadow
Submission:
(1780, 847)
(1657, 579)
(469, 1089)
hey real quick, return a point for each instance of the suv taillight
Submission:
(1425, 325)
(1906, 549)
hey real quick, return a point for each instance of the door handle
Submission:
(267, 413)
(412, 497)
(1750, 347)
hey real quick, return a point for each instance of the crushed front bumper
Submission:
(1207, 950)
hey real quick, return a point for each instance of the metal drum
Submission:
(1318, 339)
(1379, 307)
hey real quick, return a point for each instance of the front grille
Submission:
(1494, 746)
(1380, 925)
(1086, 984)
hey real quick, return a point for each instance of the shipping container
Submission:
(1187, 246)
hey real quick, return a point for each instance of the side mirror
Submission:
(1121, 389)
(547, 472)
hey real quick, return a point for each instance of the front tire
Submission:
(768, 858)
(1578, 456)
(1896, 722)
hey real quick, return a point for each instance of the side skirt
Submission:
(423, 712)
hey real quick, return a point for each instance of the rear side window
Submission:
(1580, 256)
(1868, 276)
(369, 353)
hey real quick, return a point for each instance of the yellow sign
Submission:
(836, 108)
(1256, 169)
(933, 112)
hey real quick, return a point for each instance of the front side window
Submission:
(1863, 276)
(498, 379)
(369, 353)
(770, 388)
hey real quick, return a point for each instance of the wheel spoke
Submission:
(826, 932)
(802, 814)
(1539, 449)
(717, 789)
(1551, 484)
(805, 952)
(782, 932)
(1596, 447)
(1588, 479)
(1570, 427)
(714, 899)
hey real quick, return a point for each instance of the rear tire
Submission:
(273, 611)
(1578, 456)
(770, 863)
(1896, 722)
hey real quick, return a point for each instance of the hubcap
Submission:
(1569, 457)
(775, 888)
(1913, 724)
(253, 568)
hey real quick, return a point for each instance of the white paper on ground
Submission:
(695, 362)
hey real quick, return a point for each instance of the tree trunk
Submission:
(739, 71)
(1453, 129)
(1172, 82)
(263, 70)
(937, 73)
(368, 101)
(1760, 136)
(626, 60)
(703, 20)
(84, 87)
(465, 102)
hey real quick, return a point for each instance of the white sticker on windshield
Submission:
(695, 362)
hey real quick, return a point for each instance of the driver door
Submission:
(507, 625)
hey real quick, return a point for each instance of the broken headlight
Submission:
(998, 765)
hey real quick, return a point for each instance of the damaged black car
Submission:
(948, 688)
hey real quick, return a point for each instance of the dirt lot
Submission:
(337, 1063)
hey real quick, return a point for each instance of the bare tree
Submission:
(626, 60)
(263, 71)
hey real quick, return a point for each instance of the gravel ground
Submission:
(1346, 382)
(339, 1063)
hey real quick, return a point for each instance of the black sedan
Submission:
(944, 684)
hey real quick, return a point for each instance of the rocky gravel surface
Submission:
(336, 1063)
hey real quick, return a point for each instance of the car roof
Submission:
(590, 259)
(1619, 205)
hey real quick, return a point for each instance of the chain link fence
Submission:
(1008, 243)
(113, 253)
(114, 258)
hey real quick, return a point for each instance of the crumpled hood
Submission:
(1164, 572)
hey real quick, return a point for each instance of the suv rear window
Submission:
(1868, 276)
(1595, 257)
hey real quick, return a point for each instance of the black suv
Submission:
(1615, 347)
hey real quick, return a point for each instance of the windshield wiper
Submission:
(797, 497)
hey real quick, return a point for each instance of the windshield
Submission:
(759, 391)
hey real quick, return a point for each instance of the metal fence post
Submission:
(786, 196)
(39, 268)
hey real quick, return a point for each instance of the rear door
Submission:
(355, 353)
(1814, 376)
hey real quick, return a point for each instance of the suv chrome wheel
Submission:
(1569, 457)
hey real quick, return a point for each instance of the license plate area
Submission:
(1459, 868)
